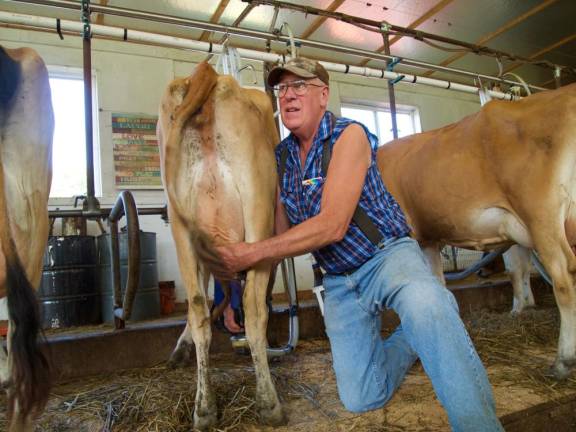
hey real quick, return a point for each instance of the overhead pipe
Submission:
(176, 42)
(261, 35)
(376, 26)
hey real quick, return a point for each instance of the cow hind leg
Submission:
(198, 330)
(560, 263)
(255, 323)
(433, 256)
(517, 261)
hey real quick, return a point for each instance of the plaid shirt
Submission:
(301, 194)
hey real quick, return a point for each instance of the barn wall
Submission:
(131, 78)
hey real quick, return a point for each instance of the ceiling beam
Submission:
(321, 19)
(215, 18)
(499, 31)
(100, 16)
(543, 51)
(427, 15)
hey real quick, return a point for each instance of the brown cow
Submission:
(217, 148)
(26, 130)
(501, 176)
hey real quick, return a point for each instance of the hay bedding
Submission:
(516, 351)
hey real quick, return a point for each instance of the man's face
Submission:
(302, 112)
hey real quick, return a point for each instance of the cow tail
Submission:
(200, 86)
(29, 368)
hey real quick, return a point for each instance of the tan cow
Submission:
(501, 176)
(217, 148)
(26, 130)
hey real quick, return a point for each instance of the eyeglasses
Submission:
(300, 88)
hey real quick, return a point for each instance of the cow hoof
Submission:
(181, 356)
(272, 416)
(205, 420)
(560, 370)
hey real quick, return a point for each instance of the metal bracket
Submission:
(557, 72)
(85, 14)
(385, 27)
(390, 66)
(396, 80)
(291, 43)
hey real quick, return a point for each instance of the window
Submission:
(379, 121)
(69, 145)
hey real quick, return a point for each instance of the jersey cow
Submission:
(26, 130)
(219, 172)
(504, 175)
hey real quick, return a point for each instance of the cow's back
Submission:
(225, 152)
(464, 184)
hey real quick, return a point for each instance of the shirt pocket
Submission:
(313, 195)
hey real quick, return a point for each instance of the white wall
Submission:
(131, 78)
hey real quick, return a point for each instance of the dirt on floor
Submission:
(516, 351)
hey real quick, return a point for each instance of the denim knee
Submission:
(358, 403)
(428, 302)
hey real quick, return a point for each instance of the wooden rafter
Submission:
(321, 19)
(543, 51)
(100, 16)
(510, 24)
(215, 18)
(427, 15)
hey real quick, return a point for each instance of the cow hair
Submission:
(10, 77)
(30, 369)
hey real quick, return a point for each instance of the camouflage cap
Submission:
(299, 66)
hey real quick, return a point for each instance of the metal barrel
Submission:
(68, 293)
(147, 301)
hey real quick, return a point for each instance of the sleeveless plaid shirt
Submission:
(301, 194)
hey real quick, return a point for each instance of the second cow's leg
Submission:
(197, 326)
(255, 323)
(558, 259)
(517, 261)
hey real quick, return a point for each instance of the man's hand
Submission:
(226, 262)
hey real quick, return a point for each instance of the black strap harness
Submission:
(360, 217)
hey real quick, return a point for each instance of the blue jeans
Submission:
(369, 369)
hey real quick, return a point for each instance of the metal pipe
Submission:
(104, 212)
(133, 35)
(477, 265)
(402, 31)
(125, 205)
(256, 34)
(87, 56)
(391, 94)
(289, 278)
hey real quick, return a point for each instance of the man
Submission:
(365, 274)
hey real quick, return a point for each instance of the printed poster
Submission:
(136, 152)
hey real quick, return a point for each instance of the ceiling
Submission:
(534, 29)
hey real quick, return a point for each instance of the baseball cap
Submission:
(299, 66)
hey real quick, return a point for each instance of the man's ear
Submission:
(325, 96)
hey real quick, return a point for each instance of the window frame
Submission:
(77, 73)
(375, 107)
